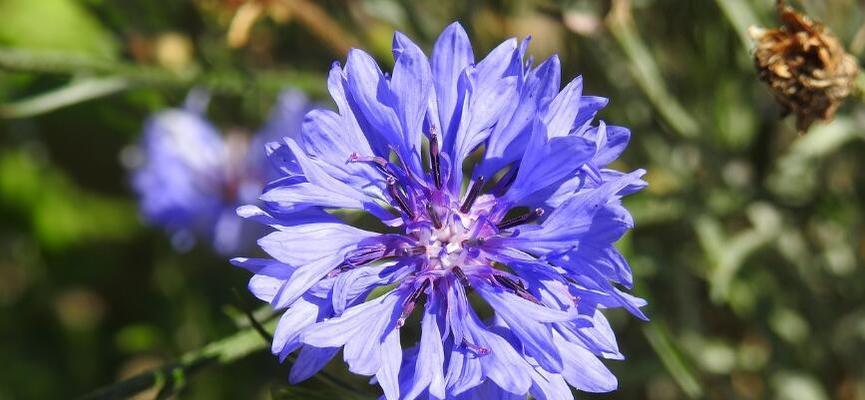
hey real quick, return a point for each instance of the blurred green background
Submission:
(749, 243)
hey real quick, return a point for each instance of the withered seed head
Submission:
(805, 66)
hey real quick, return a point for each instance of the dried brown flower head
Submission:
(805, 66)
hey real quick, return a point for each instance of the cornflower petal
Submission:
(532, 235)
(360, 331)
(451, 55)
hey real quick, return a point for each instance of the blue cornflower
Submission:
(191, 178)
(531, 233)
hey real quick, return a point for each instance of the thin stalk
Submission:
(741, 16)
(674, 361)
(171, 377)
(76, 91)
(221, 352)
(645, 71)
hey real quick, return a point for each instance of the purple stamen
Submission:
(399, 197)
(481, 223)
(406, 171)
(411, 251)
(434, 159)
(410, 303)
(357, 157)
(380, 163)
(522, 219)
(462, 277)
(474, 191)
(517, 287)
(434, 216)
(506, 282)
(479, 350)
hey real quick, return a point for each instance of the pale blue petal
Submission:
(280, 221)
(528, 321)
(463, 372)
(549, 386)
(372, 101)
(452, 53)
(265, 287)
(489, 390)
(353, 284)
(567, 225)
(391, 358)
(589, 107)
(299, 245)
(503, 365)
(309, 361)
(299, 196)
(501, 61)
(300, 315)
(612, 142)
(563, 110)
(412, 86)
(509, 142)
(321, 175)
(583, 370)
(486, 94)
(430, 359)
(353, 136)
(360, 331)
(548, 162)
(315, 249)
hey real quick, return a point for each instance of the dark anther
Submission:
(434, 160)
(411, 251)
(399, 197)
(522, 219)
(410, 303)
(472, 195)
(517, 287)
(462, 277)
(504, 182)
(507, 282)
(434, 216)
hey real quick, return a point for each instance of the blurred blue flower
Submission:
(192, 179)
(531, 233)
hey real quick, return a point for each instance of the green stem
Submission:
(859, 87)
(228, 82)
(173, 376)
(671, 357)
(741, 16)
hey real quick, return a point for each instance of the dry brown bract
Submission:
(805, 66)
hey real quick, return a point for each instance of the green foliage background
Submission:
(749, 243)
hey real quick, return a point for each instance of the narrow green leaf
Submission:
(741, 16)
(646, 73)
(672, 358)
(75, 92)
